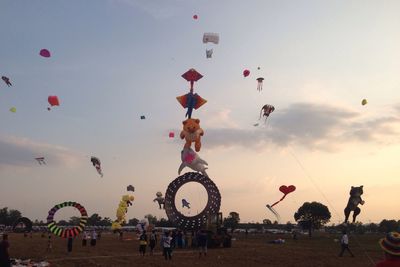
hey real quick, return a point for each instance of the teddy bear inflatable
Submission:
(192, 133)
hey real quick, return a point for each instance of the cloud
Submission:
(17, 151)
(314, 126)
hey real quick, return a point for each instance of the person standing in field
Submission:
(143, 243)
(391, 246)
(166, 243)
(84, 239)
(4, 254)
(69, 244)
(153, 241)
(49, 244)
(93, 239)
(344, 242)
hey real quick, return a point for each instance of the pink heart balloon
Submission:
(287, 189)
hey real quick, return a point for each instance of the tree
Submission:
(312, 215)
(152, 219)
(133, 222)
(267, 221)
(232, 220)
(387, 226)
(8, 217)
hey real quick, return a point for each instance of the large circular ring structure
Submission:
(194, 222)
(65, 233)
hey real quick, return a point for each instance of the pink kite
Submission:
(246, 73)
(195, 17)
(44, 53)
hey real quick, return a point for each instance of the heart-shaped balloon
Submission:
(53, 100)
(287, 189)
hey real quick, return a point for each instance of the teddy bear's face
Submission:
(356, 191)
(191, 125)
(159, 194)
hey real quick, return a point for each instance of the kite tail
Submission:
(260, 114)
(278, 201)
(278, 217)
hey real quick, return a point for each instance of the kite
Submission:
(209, 53)
(13, 109)
(6, 80)
(67, 232)
(97, 164)
(160, 200)
(191, 101)
(185, 204)
(210, 37)
(192, 160)
(130, 188)
(285, 190)
(40, 160)
(260, 83)
(266, 110)
(364, 102)
(195, 17)
(53, 101)
(171, 135)
(142, 117)
(44, 53)
(121, 212)
(246, 73)
(352, 204)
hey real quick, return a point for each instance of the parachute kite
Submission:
(160, 199)
(260, 83)
(121, 212)
(53, 101)
(40, 160)
(209, 53)
(13, 109)
(130, 188)
(97, 164)
(210, 38)
(246, 73)
(285, 190)
(364, 102)
(185, 204)
(44, 53)
(6, 80)
(266, 110)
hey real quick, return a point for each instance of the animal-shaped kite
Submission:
(160, 199)
(192, 160)
(53, 101)
(121, 212)
(266, 110)
(246, 73)
(40, 160)
(192, 133)
(364, 102)
(130, 188)
(285, 190)
(44, 53)
(185, 204)
(97, 164)
(6, 80)
(209, 53)
(260, 83)
(352, 204)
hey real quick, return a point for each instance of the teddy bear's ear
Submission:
(362, 186)
(197, 121)
(352, 187)
(184, 122)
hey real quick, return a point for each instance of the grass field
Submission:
(254, 250)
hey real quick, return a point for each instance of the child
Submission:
(142, 243)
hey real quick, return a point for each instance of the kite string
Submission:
(291, 151)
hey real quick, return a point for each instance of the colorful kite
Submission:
(6, 80)
(185, 204)
(44, 53)
(260, 83)
(40, 160)
(192, 160)
(266, 110)
(97, 164)
(160, 199)
(121, 212)
(190, 100)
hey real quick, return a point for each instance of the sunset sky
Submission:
(115, 60)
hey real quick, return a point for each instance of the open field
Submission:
(251, 251)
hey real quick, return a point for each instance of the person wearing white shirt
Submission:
(344, 242)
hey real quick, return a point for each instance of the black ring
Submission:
(212, 207)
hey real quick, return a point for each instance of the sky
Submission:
(115, 60)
